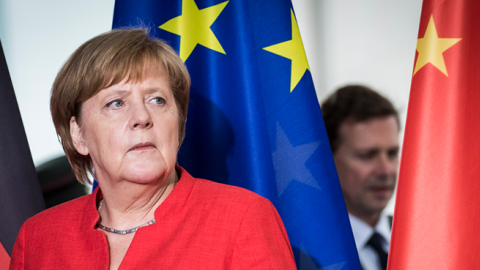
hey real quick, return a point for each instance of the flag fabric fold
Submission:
(20, 193)
(254, 120)
(436, 214)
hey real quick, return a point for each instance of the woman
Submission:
(119, 106)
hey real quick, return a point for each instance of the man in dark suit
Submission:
(363, 130)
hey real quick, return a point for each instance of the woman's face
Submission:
(130, 131)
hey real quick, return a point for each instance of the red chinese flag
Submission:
(437, 219)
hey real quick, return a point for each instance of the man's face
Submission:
(367, 164)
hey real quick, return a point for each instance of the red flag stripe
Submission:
(4, 258)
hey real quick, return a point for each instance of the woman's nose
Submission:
(140, 117)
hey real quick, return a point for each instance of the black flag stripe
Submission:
(20, 193)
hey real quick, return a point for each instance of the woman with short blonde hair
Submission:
(119, 105)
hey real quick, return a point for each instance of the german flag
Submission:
(20, 193)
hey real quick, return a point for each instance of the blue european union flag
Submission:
(254, 120)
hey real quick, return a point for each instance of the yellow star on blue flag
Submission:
(293, 50)
(194, 27)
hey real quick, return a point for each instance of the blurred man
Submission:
(363, 130)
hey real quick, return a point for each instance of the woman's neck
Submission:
(127, 205)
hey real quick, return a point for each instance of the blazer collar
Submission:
(172, 204)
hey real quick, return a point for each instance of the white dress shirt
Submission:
(362, 233)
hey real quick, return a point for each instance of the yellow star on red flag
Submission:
(430, 49)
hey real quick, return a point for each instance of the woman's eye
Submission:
(115, 103)
(158, 100)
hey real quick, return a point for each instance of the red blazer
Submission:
(201, 225)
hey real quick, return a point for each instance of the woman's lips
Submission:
(142, 146)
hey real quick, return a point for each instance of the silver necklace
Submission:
(132, 230)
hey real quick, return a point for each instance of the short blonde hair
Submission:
(104, 61)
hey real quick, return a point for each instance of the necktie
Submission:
(376, 243)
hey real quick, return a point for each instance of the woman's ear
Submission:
(77, 137)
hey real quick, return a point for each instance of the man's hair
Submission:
(104, 61)
(355, 103)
